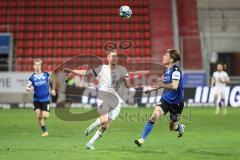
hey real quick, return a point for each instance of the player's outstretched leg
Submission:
(176, 126)
(92, 127)
(149, 125)
(104, 125)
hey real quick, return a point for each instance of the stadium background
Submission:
(205, 31)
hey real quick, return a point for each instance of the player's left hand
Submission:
(222, 81)
(53, 92)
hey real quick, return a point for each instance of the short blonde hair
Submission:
(111, 50)
(37, 60)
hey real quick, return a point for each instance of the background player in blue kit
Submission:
(39, 83)
(172, 97)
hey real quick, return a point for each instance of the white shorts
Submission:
(114, 113)
(220, 91)
(109, 104)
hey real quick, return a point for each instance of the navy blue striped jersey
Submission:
(40, 83)
(169, 95)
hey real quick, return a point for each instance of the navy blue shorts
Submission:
(175, 110)
(43, 106)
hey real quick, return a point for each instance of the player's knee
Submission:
(104, 125)
(45, 117)
(154, 117)
(39, 118)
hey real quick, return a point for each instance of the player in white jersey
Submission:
(219, 80)
(112, 78)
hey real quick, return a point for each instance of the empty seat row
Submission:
(73, 43)
(72, 19)
(68, 11)
(77, 51)
(30, 28)
(71, 3)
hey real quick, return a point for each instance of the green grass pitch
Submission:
(208, 136)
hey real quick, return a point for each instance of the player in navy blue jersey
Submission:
(171, 99)
(39, 84)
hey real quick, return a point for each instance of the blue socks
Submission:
(44, 128)
(147, 129)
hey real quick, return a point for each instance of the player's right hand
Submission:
(29, 89)
(147, 90)
(67, 70)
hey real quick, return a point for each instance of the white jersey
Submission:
(220, 76)
(110, 80)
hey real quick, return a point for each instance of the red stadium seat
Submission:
(28, 61)
(20, 44)
(21, 12)
(59, 11)
(31, 3)
(29, 52)
(58, 52)
(12, 19)
(20, 52)
(49, 43)
(39, 52)
(12, 12)
(30, 44)
(4, 4)
(48, 68)
(79, 43)
(69, 35)
(68, 43)
(59, 27)
(49, 52)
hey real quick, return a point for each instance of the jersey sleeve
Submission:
(227, 77)
(29, 82)
(176, 75)
(47, 74)
(214, 75)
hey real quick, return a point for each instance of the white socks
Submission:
(96, 136)
(217, 107)
(96, 123)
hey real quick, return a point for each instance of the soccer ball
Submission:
(125, 12)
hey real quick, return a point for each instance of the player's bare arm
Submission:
(174, 85)
(78, 71)
(127, 82)
(53, 89)
(212, 82)
(29, 88)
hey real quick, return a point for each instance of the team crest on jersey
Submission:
(166, 78)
